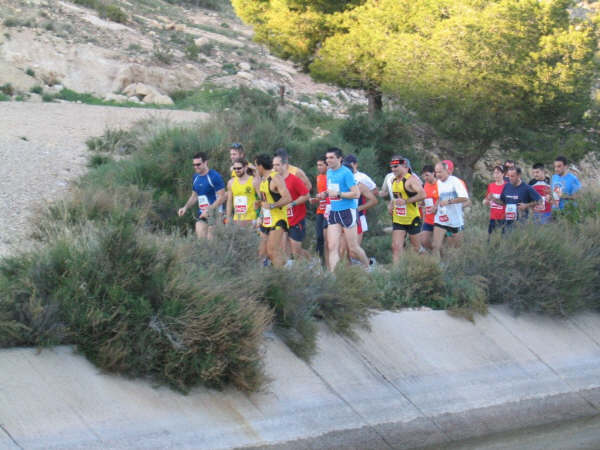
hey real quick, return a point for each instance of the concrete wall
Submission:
(418, 378)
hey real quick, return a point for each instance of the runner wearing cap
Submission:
(296, 209)
(542, 212)
(236, 151)
(274, 198)
(343, 193)
(449, 214)
(565, 185)
(492, 199)
(431, 198)
(367, 199)
(406, 218)
(208, 190)
(242, 200)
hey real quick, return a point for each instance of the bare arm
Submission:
(229, 205)
(369, 195)
(282, 189)
(300, 174)
(193, 199)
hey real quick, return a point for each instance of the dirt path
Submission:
(42, 148)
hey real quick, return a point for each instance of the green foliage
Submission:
(7, 89)
(37, 89)
(477, 70)
(230, 68)
(30, 72)
(105, 9)
(4, 98)
(131, 304)
(215, 5)
(47, 98)
(163, 54)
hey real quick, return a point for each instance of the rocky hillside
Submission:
(158, 48)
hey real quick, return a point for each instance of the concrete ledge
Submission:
(419, 378)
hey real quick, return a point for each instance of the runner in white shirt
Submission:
(449, 214)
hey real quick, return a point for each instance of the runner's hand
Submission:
(181, 211)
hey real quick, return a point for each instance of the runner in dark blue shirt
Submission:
(208, 190)
(518, 197)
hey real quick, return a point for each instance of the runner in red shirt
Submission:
(428, 205)
(321, 220)
(296, 210)
(497, 217)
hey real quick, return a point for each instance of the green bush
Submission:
(114, 13)
(7, 89)
(37, 89)
(132, 305)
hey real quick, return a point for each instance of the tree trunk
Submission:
(375, 102)
(466, 159)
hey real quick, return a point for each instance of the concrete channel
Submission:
(416, 379)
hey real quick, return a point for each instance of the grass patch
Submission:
(105, 9)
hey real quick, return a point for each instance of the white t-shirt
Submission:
(365, 179)
(450, 215)
(387, 184)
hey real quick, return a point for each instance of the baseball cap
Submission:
(350, 159)
(450, 165)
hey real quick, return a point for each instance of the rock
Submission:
(201, 41)
(139, 90)
(244, 66)
(134, 99)
(158, 99)
(245, 75)
(115, 98)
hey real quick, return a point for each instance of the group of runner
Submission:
(272, 195)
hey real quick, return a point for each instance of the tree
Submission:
(476, 70)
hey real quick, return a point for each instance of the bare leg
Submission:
(274, 248)
(426, 238)
(201, 229)
(438, 240)
(398, 237)
(334, 235)
(297, 250)
(415, 241)
(355, 250)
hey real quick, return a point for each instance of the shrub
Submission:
(37, 89)
(122, 142)
(47, 98)
(4, 98)
(7, 89)
(30, 72)
(207, 48)
(192, 51)
(114, 13)
(130, 303)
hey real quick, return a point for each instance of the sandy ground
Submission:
(42, 149)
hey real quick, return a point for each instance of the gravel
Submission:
(42, 149)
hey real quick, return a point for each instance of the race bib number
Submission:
(290, 211)
(541, 206)
(203, 202)
(428, 206)
(267, 220)
(240, 203)
(322, 205)
(401, 210)
(511, 211)
(334, 191)
(443, 215)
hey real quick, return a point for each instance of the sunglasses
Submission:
(238, 168)
(394, 166)
(236, 145)
(197, 165)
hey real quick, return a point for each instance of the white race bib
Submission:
(443, 214)
(240, 203)
(428, 206)
(266, 217)
(511, 211)
(203, 202)
(334, 191)
(540, 207)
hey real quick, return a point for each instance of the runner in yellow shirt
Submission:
(242, 199)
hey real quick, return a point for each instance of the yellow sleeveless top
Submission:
(271, 216)
(405, 214)
(243, 196)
